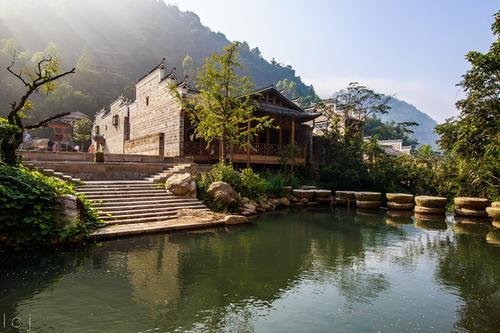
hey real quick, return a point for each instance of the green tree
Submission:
(472, 139)
(82, 130)
(390, 130)
(224, 107)
(39, 75)
(188, 66)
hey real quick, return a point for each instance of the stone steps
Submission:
(139, 204)
(124, 194)
(120, 211)
(118, 230)
(53, 173)
(150, 217)
(135, 203)
(113, 188)
(163, 175)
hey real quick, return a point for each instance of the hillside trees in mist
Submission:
(115, 42)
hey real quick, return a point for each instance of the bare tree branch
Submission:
(32, 88)
(43, 122)
(9, 68)
(39, 65)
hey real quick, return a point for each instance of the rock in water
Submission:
(235, 219)
(399, 197)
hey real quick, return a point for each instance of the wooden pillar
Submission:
(292, 142)
(280, 128)
(248, 143)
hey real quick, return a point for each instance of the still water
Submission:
(323, 271)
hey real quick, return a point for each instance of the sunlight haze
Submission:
(411, 49)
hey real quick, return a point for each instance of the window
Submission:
(97, 130)
(116, 120)
(147, 100)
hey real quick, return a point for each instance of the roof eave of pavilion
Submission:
(285, 112)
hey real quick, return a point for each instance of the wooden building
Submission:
(155, 124)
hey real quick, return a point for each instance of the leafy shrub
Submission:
(29, 212)
(275, 183)
(252, 184)
(247, 183)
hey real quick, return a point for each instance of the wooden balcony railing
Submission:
(260, 149)
(200, 149)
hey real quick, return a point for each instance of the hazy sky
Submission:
(412, 49)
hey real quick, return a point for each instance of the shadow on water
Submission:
(278, 273)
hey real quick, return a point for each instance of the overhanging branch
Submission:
(43, 122)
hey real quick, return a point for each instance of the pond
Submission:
(308, 271)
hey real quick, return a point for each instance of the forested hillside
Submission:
(113, 43)
(404, 112)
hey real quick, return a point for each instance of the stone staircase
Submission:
(53, 173)
(133, 207)
(164, 174)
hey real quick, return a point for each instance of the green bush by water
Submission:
(29, 213)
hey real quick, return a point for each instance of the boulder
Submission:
(284, 201)
(429, 210)
(368, 196)
(307, 194)
(496, 224)
(250, 207)
(400, 197)
(181, 184)
(346, 194)
(244, 200)
(431, 202)
(400, 206)
(223, 192)
(429, 217)
(261, 209)
(493, 212)
(368, 204)
(470, 212)
(247, 213)
(322, 194)
(235, 219)
(287, 190)
(495, 204)
(70, 210)
(275, 201)
(471, 203)
(304, 201)
(265, 206)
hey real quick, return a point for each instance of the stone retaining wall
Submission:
(152, 144)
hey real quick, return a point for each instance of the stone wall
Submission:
(152, 144)
(157, 112)
(113, 133)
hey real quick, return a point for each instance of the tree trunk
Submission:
(9, 148)
(223, 146)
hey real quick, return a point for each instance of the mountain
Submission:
(402, 111)
(113, 43)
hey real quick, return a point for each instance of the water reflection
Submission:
(324, 271)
